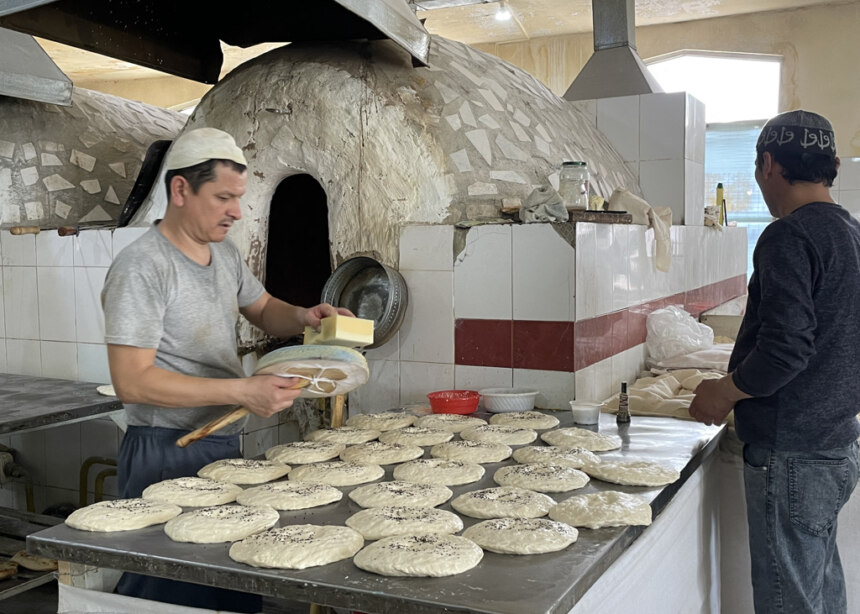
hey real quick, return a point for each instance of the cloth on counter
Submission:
(658, 218)
(544, 204)
(715, 357)
(666, 395)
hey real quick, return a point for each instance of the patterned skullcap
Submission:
(798, 132)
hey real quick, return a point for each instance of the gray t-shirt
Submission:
(156, 297)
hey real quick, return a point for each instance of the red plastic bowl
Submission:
(454, 401)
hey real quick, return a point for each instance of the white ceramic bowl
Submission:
(585, 412)
(499, 400)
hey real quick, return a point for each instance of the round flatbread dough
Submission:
(603, 509)
(122, 515)
(400, 492)
(304, 452)
(192, 492)
(297, 546)
(555, 455)
(337, 473)
(379, 522)
(344, 434)
(632, 473)
(508, 435)
(419, 556)
(450, 422)
(416, 436)
(471, 451)
(290, 495)
(106, 390)
(379, 453)
(439, 471)
(383, 421)
(526, 420)
(503, 502)
(542, 478)
(521, 535)
(223, 523)
(574, 437)
(244, 471)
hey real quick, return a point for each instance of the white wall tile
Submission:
(427, 248)
(427, 332)
(849, 174)
(381, 392)
(543, 272)
(620, 264)
(122, 237)
(694, 187)
(482, 275)
(256, 443)
(29, 450)
(602, 377)
(390, 350)
(586, 271)
(604, 242)
(556, 388)
(93, 363)
(417, 379)
(2, 307)
(63, 462)
(56, 303)
(54, 250)
(18, 250)
(289, 431)
(618, 119)
(662, 183)
(661, 126)
(23, 357)
(20, 302)
(3, 365)
(584, 384)
(850, 199)
(59, 359)
(468, 377)
(93, 248)
(694, 131)
(52, 496)
(89, 317)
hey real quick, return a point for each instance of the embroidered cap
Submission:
(201, 145)
(798, 132)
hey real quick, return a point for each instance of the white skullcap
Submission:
(201, 145)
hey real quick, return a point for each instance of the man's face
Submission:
(210, 213)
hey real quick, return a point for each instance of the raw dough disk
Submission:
(399, 492)
(525, 420)
(419, 555)
(379, 453)
(503, 502)
(122, 515)
(416, 436)
(555, 455)
(223, 523)
(192, 492)
(521, 535)
(337, 473)
(603, 509)
(344, 434)
(508, 435)
(290, 495)
(439, 471)
(379, 522)
(574, 437)
(384, 421)
(541, 478)
(297, 546)
(244, 471)
(450, 422)
(471, 451)
(632, 473)
(304, 452)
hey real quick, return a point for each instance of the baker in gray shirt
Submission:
(171, 301)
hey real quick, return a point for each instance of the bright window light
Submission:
(733, 88)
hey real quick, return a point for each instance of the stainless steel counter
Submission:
(501, 584)
(35, 402)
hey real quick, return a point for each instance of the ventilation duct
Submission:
(27, 72)
(615, 69)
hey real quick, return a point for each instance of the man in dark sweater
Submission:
(792, 375)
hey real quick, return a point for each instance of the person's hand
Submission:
(266, 395)
(313, 315)
(714, 399)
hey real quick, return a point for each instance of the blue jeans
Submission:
(793, 500)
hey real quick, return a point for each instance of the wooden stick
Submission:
(25, 230)
(219, 423)
(337, 411)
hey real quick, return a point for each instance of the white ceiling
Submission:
(471, 24)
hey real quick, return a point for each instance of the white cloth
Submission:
(658, 218)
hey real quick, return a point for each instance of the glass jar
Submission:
(573, 184)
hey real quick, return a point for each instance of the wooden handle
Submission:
(337, 411)
(24, 230)
(219, 423)
(67, 231)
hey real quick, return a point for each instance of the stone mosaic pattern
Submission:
(74, 165)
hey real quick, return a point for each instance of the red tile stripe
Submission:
(571, 346)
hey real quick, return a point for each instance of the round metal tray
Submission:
(370, 290)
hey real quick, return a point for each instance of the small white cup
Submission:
(585, 412)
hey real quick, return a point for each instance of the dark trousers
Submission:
(148, 455)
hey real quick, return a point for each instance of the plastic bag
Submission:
(671, 332)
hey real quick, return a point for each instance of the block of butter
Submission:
(341, 330)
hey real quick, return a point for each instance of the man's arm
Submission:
(136, 379)
(282, 320)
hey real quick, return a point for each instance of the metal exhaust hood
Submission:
(27, 72)
(615, 69)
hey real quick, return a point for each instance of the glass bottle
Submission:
(573, 184)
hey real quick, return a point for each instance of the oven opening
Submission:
(298, 260)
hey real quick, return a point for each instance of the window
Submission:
(740, 92)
